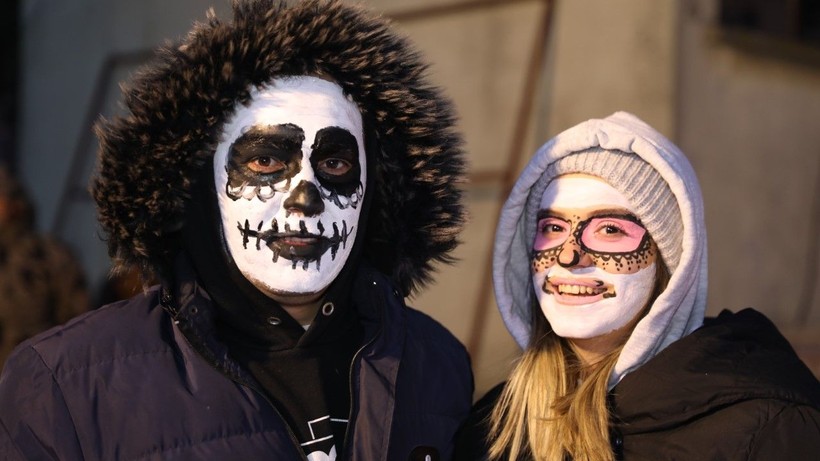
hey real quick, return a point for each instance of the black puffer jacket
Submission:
(732, 390)
(138, 380)
(134, 381)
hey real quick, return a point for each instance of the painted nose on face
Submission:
(572, 255)
(305, 199)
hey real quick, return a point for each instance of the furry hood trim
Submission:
(178, 104)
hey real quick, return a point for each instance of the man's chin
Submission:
(294, 299)
(286, 285)
(290, 294)
(301, 306)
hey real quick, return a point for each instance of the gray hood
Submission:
(679, 310)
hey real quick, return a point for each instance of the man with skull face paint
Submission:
(292, 163)
(600, 276)
(289, 177)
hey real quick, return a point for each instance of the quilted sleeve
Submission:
(35, 423)
(793, 434)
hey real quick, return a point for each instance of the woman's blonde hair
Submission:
(553, 405)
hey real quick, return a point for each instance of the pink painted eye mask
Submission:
(603, 234)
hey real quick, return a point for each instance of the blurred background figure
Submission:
(41, 284)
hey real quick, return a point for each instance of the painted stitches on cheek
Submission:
(335, 160)
(263, 160)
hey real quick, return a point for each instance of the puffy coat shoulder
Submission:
(54, 379)
(434, 388)
(112, 332)
(425, 330)
(434, 355)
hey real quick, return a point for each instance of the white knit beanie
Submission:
(641, 184)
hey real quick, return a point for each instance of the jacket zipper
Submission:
(348, 432)
(353, 403)
(292, 436)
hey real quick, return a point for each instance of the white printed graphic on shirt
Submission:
(322, 456)
(318, 427)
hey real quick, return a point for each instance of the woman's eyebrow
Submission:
(593, 213)
(613, 213)
(551, 213)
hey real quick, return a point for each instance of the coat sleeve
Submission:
(8, 451)
(35, 423)
(793, 434)
(472, 440)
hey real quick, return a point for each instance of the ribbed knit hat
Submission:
(641, 184)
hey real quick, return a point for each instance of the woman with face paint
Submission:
(600, 276)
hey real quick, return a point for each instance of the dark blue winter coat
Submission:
(147, 378)
(124, 382)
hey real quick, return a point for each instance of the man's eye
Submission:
(265, 165)
(335, 166)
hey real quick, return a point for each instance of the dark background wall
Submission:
(9, 56)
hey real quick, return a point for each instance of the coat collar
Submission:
(732, 358)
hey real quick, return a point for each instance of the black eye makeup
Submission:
(263, 156)
(335, 160)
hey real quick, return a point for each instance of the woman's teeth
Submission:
(578, 290)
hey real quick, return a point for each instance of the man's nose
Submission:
(572, 255)
(305, 199)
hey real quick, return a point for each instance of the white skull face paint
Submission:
(593, 263)
(290, 177)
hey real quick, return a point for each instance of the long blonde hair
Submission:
(553, 405)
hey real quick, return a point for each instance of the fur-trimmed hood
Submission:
(177, 106)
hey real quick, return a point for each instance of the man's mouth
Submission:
(299, 240)
(298, 246)
(577, 291)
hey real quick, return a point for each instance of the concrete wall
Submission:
(747, 117)
(66, 46)
(593, 66)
